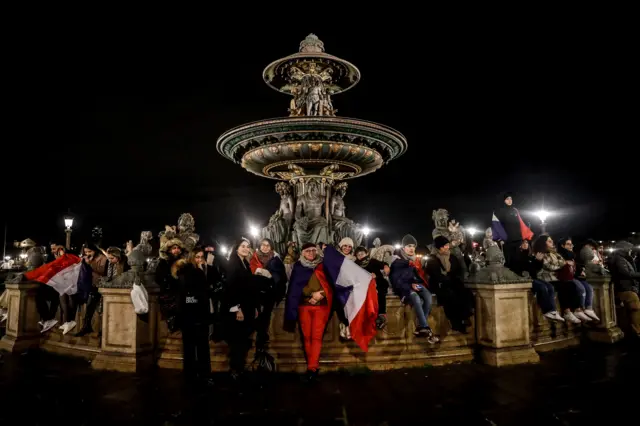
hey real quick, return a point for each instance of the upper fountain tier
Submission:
(311, 63)
(312, 141)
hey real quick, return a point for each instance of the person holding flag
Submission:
(508, 227)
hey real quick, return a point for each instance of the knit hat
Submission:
(359, 250)
(307, 245)
(409, 240)
(624, 245)
(507, 195)
(440, 241)
(346, 242)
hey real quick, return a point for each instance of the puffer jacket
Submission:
(624, 275)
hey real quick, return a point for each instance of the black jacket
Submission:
(375, 266)
(241, 288)
(624, 275)
(437, 279)
(508, 217)
(194, 295)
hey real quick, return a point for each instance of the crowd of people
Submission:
(208, 299)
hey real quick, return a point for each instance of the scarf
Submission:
(364, 262)
(445, 259)
(405, 256)
(260, 260)
(111, 270)
(310, 263)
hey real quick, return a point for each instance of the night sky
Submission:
(121, 128)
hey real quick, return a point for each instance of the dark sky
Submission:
(121, 124)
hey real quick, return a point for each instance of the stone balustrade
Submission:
(508, 329)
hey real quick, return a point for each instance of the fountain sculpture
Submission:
(312, 151)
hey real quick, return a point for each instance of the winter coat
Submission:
(508, 217)
(624, 275)
(402, 276)
(271, 290)
(438, 279)
(551, 264)
(241, 288)
(375, 267)
(194, 294)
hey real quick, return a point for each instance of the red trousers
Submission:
(313, 320)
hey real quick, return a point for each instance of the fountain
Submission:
(312, 151)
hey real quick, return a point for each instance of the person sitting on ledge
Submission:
(409, 283)
(378, 269)
(117, 263)
(446, 276)
(542, 290)
(552, 263)
(576, 274)
(309, 299)
(626, 280)
(98, 262)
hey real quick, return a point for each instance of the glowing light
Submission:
(254, 231)
(224, 249)
(610, 249)
(366, 231)
(7, 258)
(23, 256)
(543, 215)
(471, 230)
(397, 245)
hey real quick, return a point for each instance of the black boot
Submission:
(92, 305)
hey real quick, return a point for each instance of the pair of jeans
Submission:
(313, 320)
(421, 302)
(545, 295)
(196, 357)
(568, 295)
(586, 293)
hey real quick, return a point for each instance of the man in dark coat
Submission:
(626, 280)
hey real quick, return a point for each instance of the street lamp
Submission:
(397, 246)
(543, 215)
(68, 224)
(472, 231)
(224, 250)
(366, 231)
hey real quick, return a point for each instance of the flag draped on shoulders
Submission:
(67, 275)
(355, 288)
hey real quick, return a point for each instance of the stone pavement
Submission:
(582, 386)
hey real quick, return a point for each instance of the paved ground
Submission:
(575, 386)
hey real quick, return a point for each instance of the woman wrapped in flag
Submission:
(309, 301)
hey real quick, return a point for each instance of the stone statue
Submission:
(495, 272)
(451, 230)
(144, 247)
(311, 97)
(343, 227)
(488, 239)
(383, 253)
(310, 225)
(279, 225)
(186, 228)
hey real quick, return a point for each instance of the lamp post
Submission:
(68, 224)
(543, 215)
(366, 231)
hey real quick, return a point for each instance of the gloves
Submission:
(263, 272)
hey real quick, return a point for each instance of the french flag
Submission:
(355, 288)
(67, 275)
(497, 229)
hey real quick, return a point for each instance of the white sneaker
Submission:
(582, 316)
(3, 318)
(48, 325)
(343, 331)
(591, 314)
(569, 317)
(554, 316)
(40, 323)
(68, 326)
(348, 332)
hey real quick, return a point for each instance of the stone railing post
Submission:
(129, 341)
(607, 330)
(22, 324)
(502, 314)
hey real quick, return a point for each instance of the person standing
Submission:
(309, 300)
(194, 316)
(514, 227)
(380, 271)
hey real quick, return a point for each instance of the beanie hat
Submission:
(360, 249)
(440, 241)
(307, 245)
(507, 195)
(409, 240)
(346, 242)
